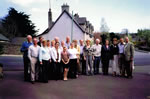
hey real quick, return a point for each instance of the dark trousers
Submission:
(50, 71)
(73, 68)
(105, 66)
(121, 63)
(44, 68)
(26, 68)
(83, 64)
(56, 71)
(128, 68)
(96, 64)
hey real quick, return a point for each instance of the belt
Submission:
(33, 57)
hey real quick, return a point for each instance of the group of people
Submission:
(54, 60)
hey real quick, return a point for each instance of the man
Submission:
(56, 39)
(33, 54)
(40, 41)
(67, 42)
(62, 45)
(26, 60)
(129, 55)
(121, 55)
(97, 55)
(82, 61)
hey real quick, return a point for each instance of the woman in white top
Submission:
(44, 58)
(50, 69)
(73, 61)
(56, 58)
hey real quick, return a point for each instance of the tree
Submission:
(112, 35)
(145, 35)
(17, 24)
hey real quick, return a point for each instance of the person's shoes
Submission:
(87, 74)
(77, 76)
(32, 82)
(65, 79)
(129, 77)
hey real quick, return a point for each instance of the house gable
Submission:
(62, 28)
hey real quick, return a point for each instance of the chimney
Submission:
(65, 7)
(49, 18)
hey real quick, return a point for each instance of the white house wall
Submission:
(62, 28)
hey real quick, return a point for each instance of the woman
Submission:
(65, 62)
(114, 56)
(105, 54)
(76, 46)
(44, 58)
(87, 51)
(56, 58)
(50, 68)
(73, 61)
(52, 43)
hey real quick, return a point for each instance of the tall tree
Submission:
(17, 24)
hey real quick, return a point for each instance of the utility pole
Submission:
(72, 28)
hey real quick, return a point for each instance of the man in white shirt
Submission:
(97, 56)
(33, 53)
(62, 45)
(67, 44)
(121, 59)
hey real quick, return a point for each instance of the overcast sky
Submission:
(118, 14)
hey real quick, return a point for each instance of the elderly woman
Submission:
(73, 61)
(56, 58)
(76, 46)
(114, 56)
(87, 51)
(44, 58)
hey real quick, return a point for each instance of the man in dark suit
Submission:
(129, 55)
(105, 54)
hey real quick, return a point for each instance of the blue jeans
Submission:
(89, 63)
(96, 64)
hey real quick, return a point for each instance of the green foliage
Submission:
(112, 35)
(104, 37)
(130, 37)
(145, 35)
(17, 24)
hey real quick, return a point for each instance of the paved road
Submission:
(16, 62)
(85, 87)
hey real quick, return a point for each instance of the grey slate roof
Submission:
(81, 20)
(3, 38)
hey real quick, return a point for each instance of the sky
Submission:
(118, 14)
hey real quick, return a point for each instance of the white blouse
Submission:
(44, 54)
(54, 54)
(73, 53)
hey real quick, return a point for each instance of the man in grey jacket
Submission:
(129, 55)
